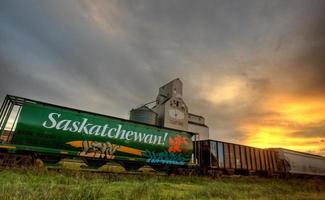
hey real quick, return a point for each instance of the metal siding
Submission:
(227, 156)
(274, 161)
(262, 159)
(221, 158)
(144, 115)
(248, 156)
(302, 163)
(253, 158)
(232, 156)
(243, 157)
(237, 154)
(266, 157)
(205, 152)
(270, 160)
(258, 160)
(213, 154)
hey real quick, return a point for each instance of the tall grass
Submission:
(20, 184)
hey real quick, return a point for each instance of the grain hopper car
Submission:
(300, 164)
(32, 130)
(217, 157)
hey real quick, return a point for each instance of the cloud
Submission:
(246, 66)
(317, 130)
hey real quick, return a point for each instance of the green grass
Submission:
(20, 184)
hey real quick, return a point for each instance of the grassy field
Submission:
(19, 184)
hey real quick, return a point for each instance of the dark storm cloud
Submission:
(313, 57)
(306, 68)
(110, 56)
(71, 62)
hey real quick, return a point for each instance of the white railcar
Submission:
(295, 162)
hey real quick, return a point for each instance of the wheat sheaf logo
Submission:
(96, 149)
(102, 149)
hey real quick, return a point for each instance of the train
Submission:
(217, 157)
(34, 132)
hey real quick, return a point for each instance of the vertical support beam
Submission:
(229, 156)
(216, 152)
(196, 155)
(199, 149)
(240, 159)
(210, 159)
(194, 148)
(223, 152)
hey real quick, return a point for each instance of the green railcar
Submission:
(46, 130)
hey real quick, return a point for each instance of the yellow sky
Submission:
(266, 117)
(294, 122)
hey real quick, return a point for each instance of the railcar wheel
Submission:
(130, 166)
(95, 163)
(16, 160)
(163, 168)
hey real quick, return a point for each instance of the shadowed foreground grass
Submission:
(19, 184)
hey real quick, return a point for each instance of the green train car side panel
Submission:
(11, 148)
(98, 136)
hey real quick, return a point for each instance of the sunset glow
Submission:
(295, 122)
(227, 89)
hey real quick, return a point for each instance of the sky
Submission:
(255, 69)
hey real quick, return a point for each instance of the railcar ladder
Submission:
(9, 112)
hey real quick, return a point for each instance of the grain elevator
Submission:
(170, 110)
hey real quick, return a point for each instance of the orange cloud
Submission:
(294, 122)
(227, 89)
